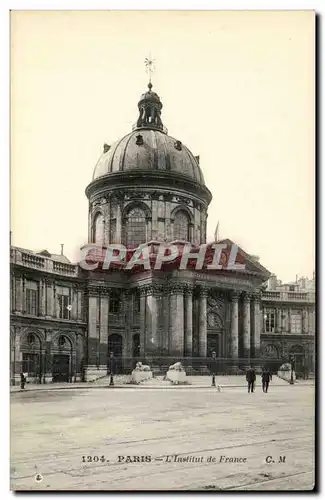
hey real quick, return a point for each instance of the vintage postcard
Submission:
(162, 321)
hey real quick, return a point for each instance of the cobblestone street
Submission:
(271, 436)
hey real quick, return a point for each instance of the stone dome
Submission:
(148, 149)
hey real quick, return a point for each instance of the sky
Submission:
(237, 88)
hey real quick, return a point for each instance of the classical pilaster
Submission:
(104, 318)
(79, 306)
(305, 321)
(176, 344)
(142, 320)
(48, 297)
(188, 347)
(74, 302)
(42, 297)
(279, 321)
(289, 320)
(19, 294)
(118, 223)
(128, 314)
(247, 326)
(53, 302)
(203, 322)
(257, 325)
(234, 325)
(23, 295)
(151, 319)
(154, 212)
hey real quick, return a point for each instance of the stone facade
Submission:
(147, 188)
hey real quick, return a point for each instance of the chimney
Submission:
(62, 245)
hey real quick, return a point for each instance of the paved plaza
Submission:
(175, 439)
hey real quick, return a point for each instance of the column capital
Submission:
(176, 288)
(247, 297)
(188, 290)
(235, 295)
(203, 291)
(257, 296)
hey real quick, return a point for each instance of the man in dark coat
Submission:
(250, 377)
(22, 380)
(266, 377)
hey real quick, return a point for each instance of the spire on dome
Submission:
(150, 105)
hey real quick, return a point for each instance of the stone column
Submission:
(128, 314)
(279, 321)
(154, 221)
(247, 326)
(74, 303)
(151, 320)
(54, 315)
(80, 306)
(118, 223)
(13, 293)
(176, 344)
(289, 320)
(142, 321)
(93, 337)
(103, 349)
(234, 325)
(18, 355)
(257, 325)
(305, 321)
(19, 294)
(166, 321)
(188, 348)
(23, 295)
(203, 323)
(42, 298)
(168, 232)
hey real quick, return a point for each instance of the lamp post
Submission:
(111, 380)
(292, 360)
(213, 369)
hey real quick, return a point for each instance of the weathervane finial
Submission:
(150, 66)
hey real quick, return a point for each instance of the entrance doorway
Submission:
(299, 364)
(61, 368)
(115, 345)
(213, 345)
(31, 364)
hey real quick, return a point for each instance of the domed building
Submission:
(147, 190)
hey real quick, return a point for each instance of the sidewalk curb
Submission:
(134, 386)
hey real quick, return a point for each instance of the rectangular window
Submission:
(31, 297)
(296, 323)
(31, 302)
(63, 302)
(270, 320)
(114, 302)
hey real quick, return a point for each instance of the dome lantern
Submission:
(150, 107)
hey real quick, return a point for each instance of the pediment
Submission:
(251, 264)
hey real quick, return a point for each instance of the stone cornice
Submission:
(152, 179)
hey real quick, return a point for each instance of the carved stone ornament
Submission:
(214, 321)
(216, 302)
(235, 296)
(176, 288)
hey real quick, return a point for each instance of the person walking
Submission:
(266, 377)
(22, 380)
(250, 377)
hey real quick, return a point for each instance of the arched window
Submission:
(99, 229)
(135, 228)
(181, 226)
